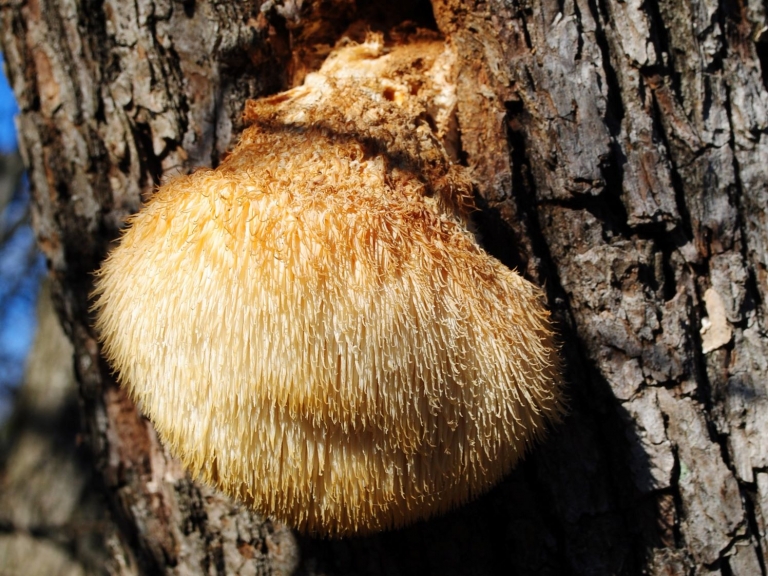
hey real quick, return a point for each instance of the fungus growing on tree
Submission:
(313, 328)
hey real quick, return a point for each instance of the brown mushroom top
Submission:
(313, 328)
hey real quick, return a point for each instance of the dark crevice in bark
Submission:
(703, 392)
(606, 207)
(678, 187)
(217, 111)
(497, 236)
(662, 44)
(613, 167)
(720, 439)
(151, 165)
(761, 47)
(669, 241)
(752, 300)
(615, 106)
(386, 15)
(92, 22)
(749, 496)
(670, 284)
(580, 29)
(189, 8)
(215, 554)
(675, 490)
(732, 19)
(183, 108)
(525, 197)
(165, 71)
(526, 32)
(125, 162)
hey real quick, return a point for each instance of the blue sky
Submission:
(21, 267)
(8, 110)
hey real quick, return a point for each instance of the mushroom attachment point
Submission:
(313, 328)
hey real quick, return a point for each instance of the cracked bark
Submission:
(619, 151)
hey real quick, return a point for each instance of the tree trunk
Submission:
(619, 151)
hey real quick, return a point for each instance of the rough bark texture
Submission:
(619, 153)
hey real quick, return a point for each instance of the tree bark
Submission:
(618, 150)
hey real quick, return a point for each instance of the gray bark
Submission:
(619, 151)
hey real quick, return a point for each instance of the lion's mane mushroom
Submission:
(313, 328)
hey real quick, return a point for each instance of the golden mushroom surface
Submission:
(313, 329)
